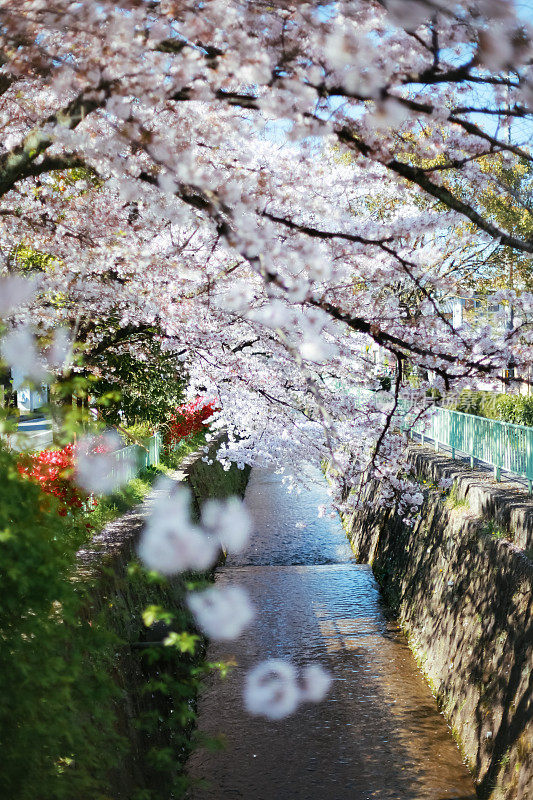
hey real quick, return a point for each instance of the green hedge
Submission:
(86, 712)
(517, 409)
(56, 705)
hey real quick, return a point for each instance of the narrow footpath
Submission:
(378, 734)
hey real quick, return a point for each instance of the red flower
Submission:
(53, 470)
(190, 418)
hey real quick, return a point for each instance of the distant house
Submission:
(28, 399)
(460, 311)
(474, 310)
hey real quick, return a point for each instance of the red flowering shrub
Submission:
(53, 470)
(189, 418)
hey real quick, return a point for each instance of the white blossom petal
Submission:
(316, 682)
(171, 543)
(271, 689)
(19, 351)
(100, 467)
(221, 612)
(229, 521)
(14, 291)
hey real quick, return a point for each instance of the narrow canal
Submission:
(378, 734)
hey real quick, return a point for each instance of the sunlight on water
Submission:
(379, 733)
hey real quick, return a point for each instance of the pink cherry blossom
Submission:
(222, 612)
(271, 689)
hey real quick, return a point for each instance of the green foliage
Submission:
(507, 202)
(171, 665)
(139, 379)
(70, 177)
(30, 260)
(173, 457)
(140, 431)
(454, 501)
(213, 481)
(507, 198)
(384, 382)
(91, 709)
(490, 528)
(56, 706)
(517, 409)
(81, 710)
(514, 408)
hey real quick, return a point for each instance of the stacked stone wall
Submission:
(459, 577)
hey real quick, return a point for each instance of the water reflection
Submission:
(288, 529)
(378, 734)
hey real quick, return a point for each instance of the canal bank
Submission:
(155, 686)
(379, 733)
(459, 578)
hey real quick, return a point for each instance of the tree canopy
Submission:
(181, 166)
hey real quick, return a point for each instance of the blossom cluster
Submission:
(269, 269)
(172, 543)
(274, 689)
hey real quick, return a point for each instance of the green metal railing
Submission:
(134, 458)
(501, 445)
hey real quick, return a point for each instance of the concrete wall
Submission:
(463, 593)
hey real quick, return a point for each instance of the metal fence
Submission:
(501, 445)
(134, 458)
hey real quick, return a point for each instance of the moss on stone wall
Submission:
(211, 480)
(157, 684)
(464, 597)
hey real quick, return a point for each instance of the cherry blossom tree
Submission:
(270, 190)
(219, 170)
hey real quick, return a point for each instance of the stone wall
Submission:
(463, 592)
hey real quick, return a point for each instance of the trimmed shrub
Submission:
(515, 408)
(56, 707)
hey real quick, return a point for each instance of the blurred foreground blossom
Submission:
(19, 351)
(59, 353)
(99, 470)
(170, 542)
(316, 682)
(229, 521)
(273, 688)
(221, 613)
(14, 292)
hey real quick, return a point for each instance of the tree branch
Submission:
(19, 162)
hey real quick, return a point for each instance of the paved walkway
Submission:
(379, 733)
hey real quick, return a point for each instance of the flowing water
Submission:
(378, 734)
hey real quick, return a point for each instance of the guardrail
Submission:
(501, 445)
(134, 458)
